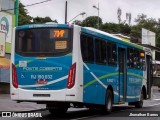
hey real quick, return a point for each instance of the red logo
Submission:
(42, 81)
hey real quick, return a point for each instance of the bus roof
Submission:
(44, 25)
(109, 36)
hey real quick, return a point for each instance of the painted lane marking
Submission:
(153, 105)
(85, 117)
(156, 99)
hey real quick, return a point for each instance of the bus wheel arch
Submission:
(111, 89)
(57, 108)
(109, 100)
(144, 90)
(139, 104)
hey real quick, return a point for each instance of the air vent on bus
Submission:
(41, 95)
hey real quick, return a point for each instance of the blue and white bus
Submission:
(66, 66)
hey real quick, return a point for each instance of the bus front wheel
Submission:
(139, 104)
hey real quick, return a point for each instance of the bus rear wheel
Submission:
(57, 109)
(108, 102)
(139, 104)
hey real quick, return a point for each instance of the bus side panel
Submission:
(134, 84)
(96, 80)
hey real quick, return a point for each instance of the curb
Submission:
(43, 109)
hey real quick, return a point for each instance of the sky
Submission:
(55, 9)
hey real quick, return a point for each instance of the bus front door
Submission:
(122, 74)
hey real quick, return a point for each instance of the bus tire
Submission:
(57, 110)
(108, 102)
(139, 104)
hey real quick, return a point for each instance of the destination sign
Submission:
(58, 33)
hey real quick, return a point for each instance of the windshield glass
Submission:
(43, 42)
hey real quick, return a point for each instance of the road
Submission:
(85, 114)
(119, 112)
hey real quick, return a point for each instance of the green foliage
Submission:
(92, 21)
(147, 23)
(77, 22)
(24, 18)
(110, 28)
(43, 20)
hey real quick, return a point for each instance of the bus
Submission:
(156, 73)
(63, 66)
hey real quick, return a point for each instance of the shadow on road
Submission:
(83, 113)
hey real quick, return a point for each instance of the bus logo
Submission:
(58, 33)
(42, 81)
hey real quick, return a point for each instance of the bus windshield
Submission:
(43, 42)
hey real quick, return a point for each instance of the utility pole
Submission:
(98, 13)
(16, 11)
(66, 13)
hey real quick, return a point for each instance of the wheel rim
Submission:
(141, 100)
(109, 104)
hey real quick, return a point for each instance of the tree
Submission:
(23, 18)
(43, 20)
(77, 22)
(110, 28)
(116, 28)
(141, 18)
(92, 21)
(147, 23)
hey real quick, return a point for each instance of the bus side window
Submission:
(100, 49)
(87, 48)
(136, 59)
(111, 53)
(130, 58)
(114, 54)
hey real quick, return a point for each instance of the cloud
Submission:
(108, 9)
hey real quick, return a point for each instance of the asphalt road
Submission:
(151, 107)
(119, 113)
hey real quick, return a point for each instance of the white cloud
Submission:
(108, 9)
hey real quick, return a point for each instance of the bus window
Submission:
(136, 59)
(111, 53)
(100, 49)
(43, 41)
(87, 48)
(130, 58)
